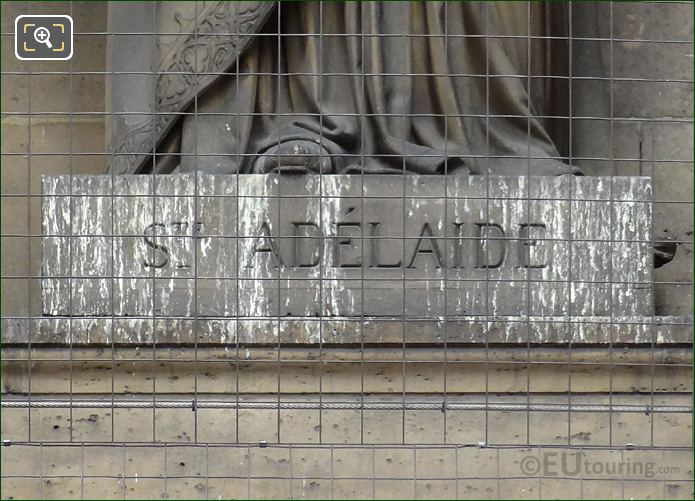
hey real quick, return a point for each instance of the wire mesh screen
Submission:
(347, 250)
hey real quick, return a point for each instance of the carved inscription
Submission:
(264, 246)
(162, 254)
(488, 246)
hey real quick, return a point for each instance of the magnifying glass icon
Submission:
(42, 35)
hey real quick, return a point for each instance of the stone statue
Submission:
(429, 87)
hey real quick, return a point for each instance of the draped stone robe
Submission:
(429, 87)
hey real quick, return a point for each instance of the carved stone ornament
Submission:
(208, 44)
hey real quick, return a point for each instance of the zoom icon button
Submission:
(42, 38)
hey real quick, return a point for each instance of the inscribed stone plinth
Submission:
(346, 246)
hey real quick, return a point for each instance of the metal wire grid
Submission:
(157, 353)
(206, 474)
(206, 478)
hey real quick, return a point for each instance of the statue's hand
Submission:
(294, 157)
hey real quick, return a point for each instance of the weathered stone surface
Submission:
(347, 471)
(342, 246)
(292, 330)
(461, 426)
(222, 371)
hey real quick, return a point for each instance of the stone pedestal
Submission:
(408, 247)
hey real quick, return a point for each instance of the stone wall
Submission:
(377, 452)
(47, 137)
(653, 81)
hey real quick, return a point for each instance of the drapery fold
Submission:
(378, 87)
